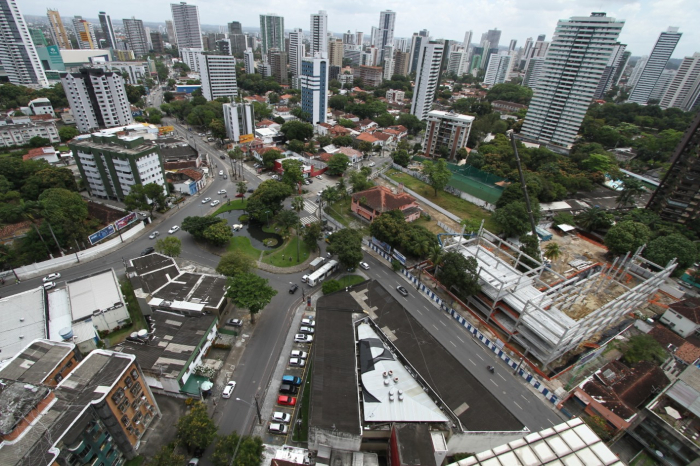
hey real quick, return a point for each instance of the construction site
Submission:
(549, 311)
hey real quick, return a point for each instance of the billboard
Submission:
(102, 234)
(166, 129)
(381, 245)
(399, 257)
(125, 221)
(246, 138)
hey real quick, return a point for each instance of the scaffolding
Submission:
(549, 318)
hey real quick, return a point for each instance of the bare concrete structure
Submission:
(550, 314)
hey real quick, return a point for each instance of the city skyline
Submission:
(644, 19)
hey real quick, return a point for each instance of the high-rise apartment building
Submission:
(218, 75)
(348, 38)
(662, 85)
(637, 71)
(188, 32)
(402, 44)
(223, 46)
(573, 66)
(403, 62)
(278, 62)
(467, 39)
(237, 38)
(511, 46)
(97, 99)
(314, 87)
(319, 33)
(499, 68)
(18, 55)
(677, 197)
(136, 36)
(533, 71)
(385, 34)
(249, 61)
(370, 75)
(427, 77)
(58, 30)
(234, 27)
(108, 29)
(170, 31)
(84, 33)
(416, 42)
(157, 42)
(446, 129)
(239, 120)
(359, 38)
(660, 54)
(388, 62)
(296, 51)
(611, 71)
(684, 90)
(335, 52)
(457, 62)
(493, 37)
(272, 32)
(191, 58)
(38, 37)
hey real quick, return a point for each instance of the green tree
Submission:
(312, 235)
(249, 291)
(563, 218)
(218, 128)
(218, 234)
(347, 245)
(196, 430)
(438, 174)
(269, 157)
(342, 141)
(154, 192)
(286, 220)
(196, 226)
(296, 145)
(297, 130)
(359, 181)
(330, 286)
(459, 274)
(338, 163)
(235, 262)
(411, 123)
(385, 120)
(510, 93)
(626, 236)
(594, 218)
(401, 157)
(170, 246)
(530, 245)
(390, 228)
(552, 251)
(268, 198)
(512, 218)
(67, 133)
(136, 199)
(664, 248)
(38, 141)
(65, 210)
(599, 163)
(337, 102)
(642, 348)
(293, 172)
(166, 456)
(631, 190)
(233, 450)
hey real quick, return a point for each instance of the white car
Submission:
(173, 229)
(279, 416)
(276, 428)
(51, 277)
(221, 191)
(215, 203)
(275, 177)
(221, 172)
(49, 285)
(236, 227)
(297, 362)
(319, 177)
(307, 330)
(364, 265)
(206, 199)
(228, 389)
(301, 338)
(154, 234)
(371, 164)
(300, 354)
(308, 322)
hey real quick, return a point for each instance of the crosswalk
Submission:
(310, 207)
(309, 220)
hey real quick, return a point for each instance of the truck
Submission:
(316, 263)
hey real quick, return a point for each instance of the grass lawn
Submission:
(452, 203)
(340, 211)
(349, 280)
(302, 434)
(243, 243)
(63, 148)
(280, 256)
(429, 224)
(236, 204)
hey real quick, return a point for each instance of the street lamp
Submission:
(257, 407)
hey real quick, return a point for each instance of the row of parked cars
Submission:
(306, 331)
(280, 420)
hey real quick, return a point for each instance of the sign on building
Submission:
(166, 129)
(102, 234)
(399, 257)
(246, 138)
(125, 221)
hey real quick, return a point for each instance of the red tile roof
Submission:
(350, 152)
(381, 199)
(367, 137)
(685, 350)
(688, 308)
(39, 151)
(381, 135)
(265, 123)
(401, 128)
(325, 157)
(194, 174)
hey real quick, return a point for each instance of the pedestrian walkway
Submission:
(310, 207)
(309, 220)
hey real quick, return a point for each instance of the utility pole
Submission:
(524, 186)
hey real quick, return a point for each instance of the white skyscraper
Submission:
(97, 99)
(319, 32)
(385, 33)
(499, 67)
(457, 62)
(272, 32)
(314, 87)
(249, 61)
(108, 29)
(427, 74)
(239, 120)
(637, 71)
(467, 40)
(573, 66)
(188, 31)
(389, 62)
(660, 54)
(662, 85)
(296, 51)
(18, 56)
(533, 71)
(606, 82)
(684, 90)
(191, 58)
(218, 75)
(136, 36)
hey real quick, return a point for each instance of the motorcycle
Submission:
(490, 368)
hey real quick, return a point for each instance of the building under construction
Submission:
(545, 312)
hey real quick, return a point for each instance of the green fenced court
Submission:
(474, 181)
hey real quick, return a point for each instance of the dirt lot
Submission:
(572, 248)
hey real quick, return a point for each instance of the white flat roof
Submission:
(84, 331)
(59, 313)
(451, 115)
(21, 321)
(97, 292)
(410, 402)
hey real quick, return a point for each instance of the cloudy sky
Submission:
(518, 19)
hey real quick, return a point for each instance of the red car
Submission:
(285, 400)
(240, 195)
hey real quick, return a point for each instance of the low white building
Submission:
(17, 131)
(42, 153)
(41, 106)
(136, 71)
(266, 135)
(395, 96)
(98, 299)
(683, 317)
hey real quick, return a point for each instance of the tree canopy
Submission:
(249, 291)
(626, 236)
(347, 245)
(338, 163)
(235, 262)
(196, 430)
(438, 174)
(510, 93)
(297, 130)
(459, 274)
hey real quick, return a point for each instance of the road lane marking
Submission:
(516, 404)
(477, 354)
(460, 339)
(502, 377)
(550, 422)
(524, 398)
(435, 327)
(493, 382)
(453, 344)
(472, 362)
(443, 323)
(426, 308)
(419, 312)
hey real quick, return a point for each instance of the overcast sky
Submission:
(518, 19)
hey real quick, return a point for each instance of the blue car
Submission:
(291, 380)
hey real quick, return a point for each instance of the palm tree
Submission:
(593, 219)
(552, 251)
(298, 206)
(236, 156)
(632, 189)
(342, 188)
(328, 196)
(435, 255)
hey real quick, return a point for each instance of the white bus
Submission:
(323, 272)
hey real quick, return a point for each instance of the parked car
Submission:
(307, 182)
(240, 195)
(276, 428)
(236, 227)
(309, 322)
(275, 177)
(221, 191)
(49, 285)
(228, 389)
(193, 462)
(293, 288)
(226, 177)
(206, 199)
(371, 164)
(402, 290)
(215, 203)
(286, 400)
(154, 234)
(299, 354)
(173, 229)
(301, 338)
(279, 416)
(289, 389)
(51, 277)
(319, 177)
(307, 330)
(148, 251)
(221, 172)
(291, 379)
(235, 322)
(364, 265)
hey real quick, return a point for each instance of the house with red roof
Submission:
(42, 153)
(338, 130)
(367, 124)
(187, 181)
(373, 202)
(367, 137)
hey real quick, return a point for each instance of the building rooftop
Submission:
(687, 350)
(415, 444)
(688, 308)
(192, 174)
(571, 443)
(17, 400)
(36, 362)
(686, 390)
(450, 115)
(93, 293)
(23, 319)
(382, 199)
(38, 152)
(366, 137)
